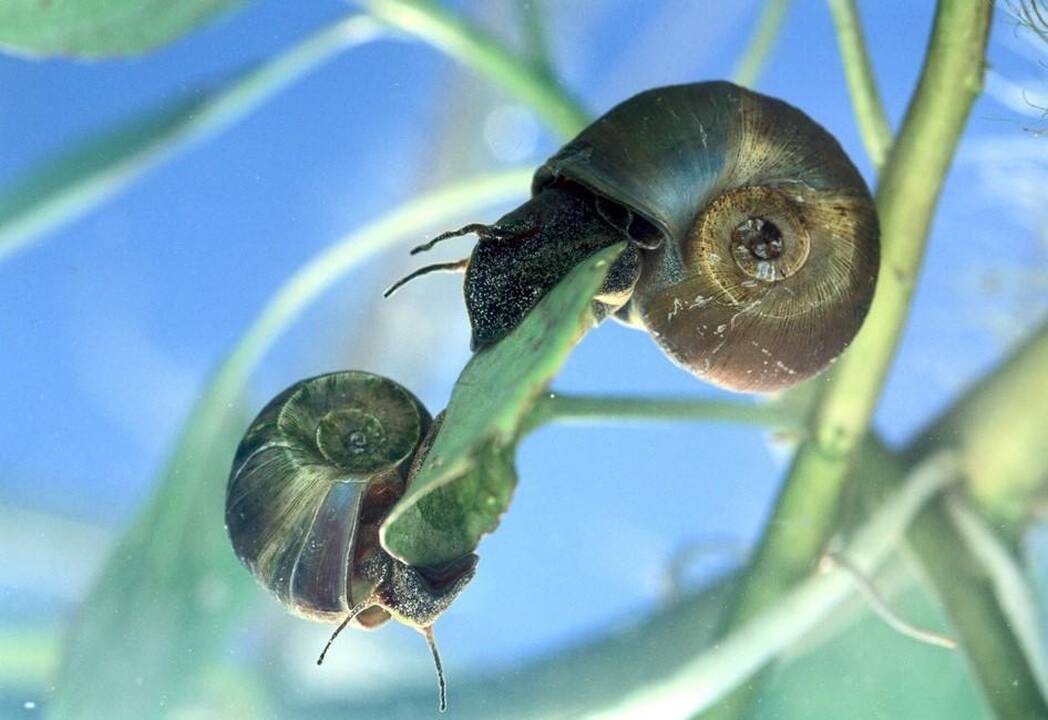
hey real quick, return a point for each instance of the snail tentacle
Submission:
(455, 266)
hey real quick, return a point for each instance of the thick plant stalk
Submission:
(996, 426)
(806, 510)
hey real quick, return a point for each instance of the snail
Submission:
(314, 476)
(753, 243)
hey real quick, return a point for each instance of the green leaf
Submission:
(452, 499)
(69, 184)
(162, 603)
(449, 521)
(99, 28)
(157, 616)
(478, 50)
(72, 183)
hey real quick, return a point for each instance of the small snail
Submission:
(312, 480)
(753, 240)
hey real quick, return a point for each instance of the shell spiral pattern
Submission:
(770, 246)
(312, 479)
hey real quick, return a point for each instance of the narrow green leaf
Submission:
(162, 603)
(70, 184)
(450, 33)
(450, 521)
(862, 82)
(762, 41)
(99, 28)
(158, 612)
(485, 416)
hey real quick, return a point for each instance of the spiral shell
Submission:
(314, 475)
(770, 249)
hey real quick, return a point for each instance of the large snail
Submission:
(312, 480)
(753, 241)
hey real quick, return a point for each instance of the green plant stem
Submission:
(807, 508)
(461, 40)
(761, 42)
(1001, 436)
(1016, 599)
(862, 84)
(587, 409)
(986, 632)
(999, 432)
(712, 674)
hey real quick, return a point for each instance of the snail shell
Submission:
(312, 480)
(754, 240)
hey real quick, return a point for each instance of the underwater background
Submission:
(119, 305)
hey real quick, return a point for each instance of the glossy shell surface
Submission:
(311, 481)
(771, 244)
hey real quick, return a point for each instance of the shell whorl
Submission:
(770, 250)
(302, 479)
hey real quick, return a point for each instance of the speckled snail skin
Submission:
(315, 475)
(753, 240)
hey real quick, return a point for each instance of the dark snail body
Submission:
(315, 475)
(531, 249)
(754, 243)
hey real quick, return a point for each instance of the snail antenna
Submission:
(455, 266)
(358, 608)
(478, 228)
(442, 681)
